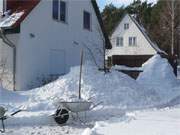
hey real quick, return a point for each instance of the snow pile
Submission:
(149, 122)
(12, 100)
(8, 21)
(113, 89)
(158, 73)
(10, 96)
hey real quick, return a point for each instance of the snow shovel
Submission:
(4, 117)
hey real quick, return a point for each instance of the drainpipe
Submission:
(13, 46)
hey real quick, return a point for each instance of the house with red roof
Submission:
(42, 39)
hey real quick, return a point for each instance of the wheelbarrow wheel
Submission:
(61, 116)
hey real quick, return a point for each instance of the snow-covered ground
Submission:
(149, 122)
(120, 97)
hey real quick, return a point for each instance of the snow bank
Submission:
(151, 122)
(113, 89)
(158, 75)
(7, 96)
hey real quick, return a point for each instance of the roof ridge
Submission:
(146, 35)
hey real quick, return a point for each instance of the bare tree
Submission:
(169, 23)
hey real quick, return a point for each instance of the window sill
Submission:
(90, 30)
(59, 21)
(119, 46)
(132, 45)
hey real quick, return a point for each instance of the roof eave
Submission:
(145, 35)
(98, 14)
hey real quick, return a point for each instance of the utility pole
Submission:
(172, 27)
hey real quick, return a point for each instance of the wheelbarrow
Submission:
(65, 108)
(61, 115)
(3, 116)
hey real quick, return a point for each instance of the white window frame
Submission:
(119, 41)
(90, 29)
(66, 8)
(126, 26)
(59, 12)
(132, 41)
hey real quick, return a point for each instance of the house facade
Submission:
(131, 45)
(44, 38)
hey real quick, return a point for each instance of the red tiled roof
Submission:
(25, 6)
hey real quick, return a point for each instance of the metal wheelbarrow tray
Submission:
(62, 113)
(77, 106)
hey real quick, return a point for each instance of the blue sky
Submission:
(118, 3)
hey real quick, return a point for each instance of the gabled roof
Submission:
(21, 8)
(144, 32)
(98, 14)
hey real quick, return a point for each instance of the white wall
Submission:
(143, 47)
(34, 53)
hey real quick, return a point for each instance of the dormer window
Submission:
(126, 26)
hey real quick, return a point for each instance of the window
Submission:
(87, 20)
(55, 9)
(119, 41)
(59, 10)
(63, 11)
(132, 41)
(126, 26)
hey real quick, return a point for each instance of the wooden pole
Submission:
(80, 76)
(172, 36)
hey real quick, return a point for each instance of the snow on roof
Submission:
(144, 32)
(125, 68)
(9, 21)
(17, 12)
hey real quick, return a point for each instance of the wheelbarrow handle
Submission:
(16, 112)
(94, 106)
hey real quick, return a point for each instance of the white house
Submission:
(131, 45)
(42, 38)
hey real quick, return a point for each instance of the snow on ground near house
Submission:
(152, 122)
(113, 89)
(118, 93)
(158, 75)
